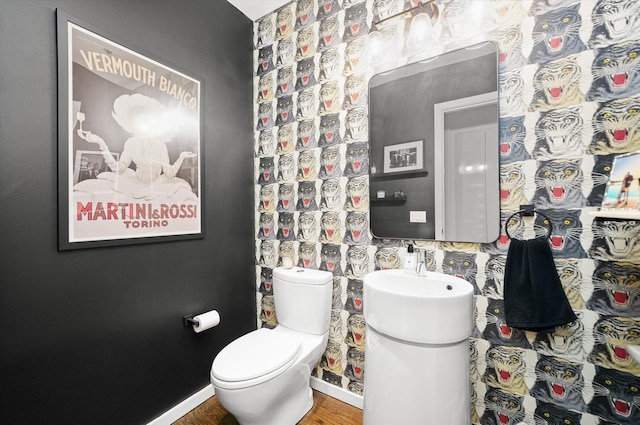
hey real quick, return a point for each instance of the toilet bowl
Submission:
(263, 376)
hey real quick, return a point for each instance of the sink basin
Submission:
(433, 309)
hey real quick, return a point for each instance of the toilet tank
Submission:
(303, 299)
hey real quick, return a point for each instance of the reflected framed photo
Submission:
(130, 134)
(404, 157)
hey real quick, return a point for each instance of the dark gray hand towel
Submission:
(534, 299)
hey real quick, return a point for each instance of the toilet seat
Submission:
(254, 358)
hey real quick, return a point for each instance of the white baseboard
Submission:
(338, 393)
(184, 407)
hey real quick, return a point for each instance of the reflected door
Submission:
(467, 169)
(467, 182)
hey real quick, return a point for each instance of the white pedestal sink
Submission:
(417, 348)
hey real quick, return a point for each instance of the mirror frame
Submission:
(397, 197)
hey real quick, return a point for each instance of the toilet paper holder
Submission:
(201, 322)
(188, 320)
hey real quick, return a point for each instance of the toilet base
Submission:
(283, 400)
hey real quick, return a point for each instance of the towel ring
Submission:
(527, 211)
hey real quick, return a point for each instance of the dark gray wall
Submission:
(95, 336)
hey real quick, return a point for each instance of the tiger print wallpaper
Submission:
(569, 102)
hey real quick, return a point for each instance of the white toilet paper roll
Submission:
(206, 321)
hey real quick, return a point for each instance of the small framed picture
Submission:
(404, 157)
(623, 188)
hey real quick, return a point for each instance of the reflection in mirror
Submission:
(434, 151)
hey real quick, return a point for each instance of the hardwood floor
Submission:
(326, 411)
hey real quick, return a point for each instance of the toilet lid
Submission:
(253, 355)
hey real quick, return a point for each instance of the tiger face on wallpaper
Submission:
(331, 259)
(559, 184)
(560, 382)
(329, 61)
(557, 85)
(616, 240)
(307, 227)
(616, 289)
(387, 258)
(559, 133)
(304, 14)
(615, 396)
(612, 336)
(557, 34)
(510, 48)
(306, 45)
(616, 71)
(285, 52)
(565, 239)
(512, 138)
(567, 341)
(614, 21)
(502, 407)
(506, 369)
(616, 127)
(306, 135)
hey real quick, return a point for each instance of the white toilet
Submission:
(263, 377)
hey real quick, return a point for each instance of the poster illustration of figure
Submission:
(133, 144)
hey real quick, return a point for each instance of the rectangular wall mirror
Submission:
(434, 148)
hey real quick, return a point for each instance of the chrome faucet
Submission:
(421, 263)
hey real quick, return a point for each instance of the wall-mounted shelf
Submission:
(623, 214)
(389, 200)
(398, 175)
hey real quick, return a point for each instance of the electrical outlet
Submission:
(417, 216)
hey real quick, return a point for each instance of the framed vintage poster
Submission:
(129, 143)
(404, 157)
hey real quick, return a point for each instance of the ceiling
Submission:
(256, 9)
